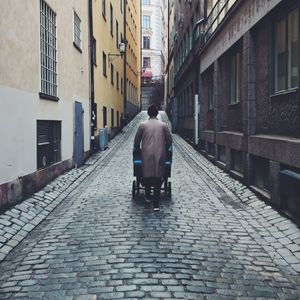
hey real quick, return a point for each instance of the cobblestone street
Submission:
(83, 237)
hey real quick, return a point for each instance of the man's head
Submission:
(152, 111)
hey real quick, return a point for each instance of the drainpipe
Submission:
(197, 103)
(92, 91)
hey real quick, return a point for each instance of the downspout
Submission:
(92, 90)
(197, 98)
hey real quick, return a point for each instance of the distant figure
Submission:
(154, 138)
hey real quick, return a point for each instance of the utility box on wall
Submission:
(290, 191)
(103, 139)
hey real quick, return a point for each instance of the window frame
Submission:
(104, 116)
(148, 23)
(94, 51)
(104, 64)
(148, 58)
(210, 88)
(146, 42)
(284, 17)
(111, 21)
(236, 97)
(48, 87)
(75, 35)
(112, 74)
(104, 9)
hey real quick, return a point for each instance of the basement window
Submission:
(261, 172)
(48, 143)
(211, 148)
(222, 153)
(237, 161)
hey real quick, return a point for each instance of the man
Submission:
(154, 138)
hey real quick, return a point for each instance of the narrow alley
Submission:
(214, 239)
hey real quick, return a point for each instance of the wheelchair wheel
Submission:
(133, 189)
(169, 189)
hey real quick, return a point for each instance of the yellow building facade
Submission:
(108, 64)
(133, 58)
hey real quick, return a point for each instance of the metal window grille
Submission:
(77, 30)
(48, 50)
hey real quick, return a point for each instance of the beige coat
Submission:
(154, 136)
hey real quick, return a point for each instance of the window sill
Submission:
(285, 92)
(48, 97)
(234, 104)
(77, 47)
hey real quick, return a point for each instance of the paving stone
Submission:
(213, 240)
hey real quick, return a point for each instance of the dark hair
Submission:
(152, 111)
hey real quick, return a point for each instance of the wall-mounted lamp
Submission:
(122, 48)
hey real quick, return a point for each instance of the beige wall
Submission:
(133, 49)
(20, 104)
(107, 94)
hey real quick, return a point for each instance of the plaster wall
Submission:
(17, 132)
(107, 94)
(20, 103)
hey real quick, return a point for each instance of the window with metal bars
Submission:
(77, 32)
(48, 52)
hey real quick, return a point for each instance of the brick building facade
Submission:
(248, 92)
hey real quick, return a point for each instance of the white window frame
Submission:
(48, 52)
(77, 31)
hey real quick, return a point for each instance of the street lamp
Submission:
(122, 48)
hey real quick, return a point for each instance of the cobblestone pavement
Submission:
(83, 237)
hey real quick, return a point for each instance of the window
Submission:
(112, 74)
(77, 31)
(111, 20)
(121, 85)
(146, 42)
(117, 34)
(104, 8)
(146, 2)
(117, 80)
(104, 116)
(121, 6)
(112, 118)
(48, 143)
(234, 78)
(146, 21)
(94, 51)
(146, 62)
(48, 51)
(104, 64)
(286, 52)
(210, 88)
